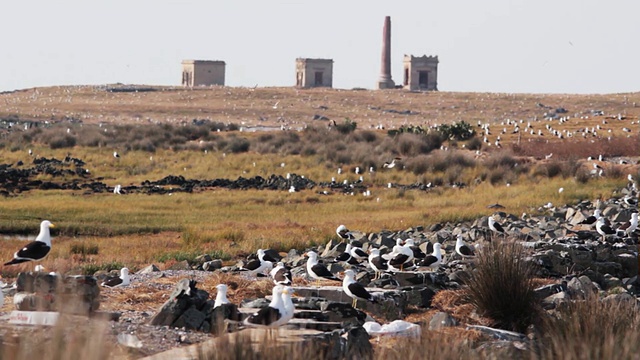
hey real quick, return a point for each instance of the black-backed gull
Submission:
(35, 250)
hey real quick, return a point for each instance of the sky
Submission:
(546, 46)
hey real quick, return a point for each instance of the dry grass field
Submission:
(231, 223)
(153, 131)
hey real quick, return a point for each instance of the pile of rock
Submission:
(39, 291)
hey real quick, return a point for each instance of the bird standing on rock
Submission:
(316, 270)
(355, 290)
(495, 226)
(462, 249)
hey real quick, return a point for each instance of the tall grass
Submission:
(501, 287)
(592, 329)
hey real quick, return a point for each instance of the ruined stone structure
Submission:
(314, 72)
(202, 72)
(420, 73)
(385, 81)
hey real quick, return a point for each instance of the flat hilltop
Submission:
(294, 108)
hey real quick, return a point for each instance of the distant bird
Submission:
(628, 227)
(116, 155)
(462, 249)
(592, 218)
(223, 308)
(39, 268)
(281, 275)
(117, 189)
(35, 250)
(560, 190)
(434, 260)
(355, 290)
(495, 226)
(377, 263)
(603, 229)
(272, 315)
(316, 270)
(392, 164)
(30, 152)
(343, 232)
(121, 281)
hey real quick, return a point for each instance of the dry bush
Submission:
(501, 286)
(592, 329)
(450, 344)
(416, 144)
(501, 159)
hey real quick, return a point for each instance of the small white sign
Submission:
(48, 318)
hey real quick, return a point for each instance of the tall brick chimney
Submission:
(385, 82)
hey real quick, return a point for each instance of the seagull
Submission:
(257, 266)
(272, 315)
(287, 303)
(223, 308)
(35, 250)
(591, 219)
(377, 263)
(347, 257)
(462, 249)
(417, 253)
(495, 226)
(116, 155)
(316, 270)
(116, 189)
(268, 255)
(628, 227)
(281, 275)
(434, 260)
(355, 290)
(404, 256)
(121, 281)
(392, 164)
(343, 232)
(603, 229)
(357, 253)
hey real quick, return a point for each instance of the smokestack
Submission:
(385, 82)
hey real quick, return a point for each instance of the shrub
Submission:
(347, 126)
(458, 131)
(62, 141)
(84, 249)
(501, 287)
(592, 329)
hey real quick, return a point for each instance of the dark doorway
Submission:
(406, 76)
(318, 81)
(423, 79)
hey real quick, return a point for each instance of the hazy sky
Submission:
(572, 46)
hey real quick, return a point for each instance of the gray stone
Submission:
(212, 265)
(191, 319)
(75, 294)
(581, 287)
(441, 320)
(149, 269)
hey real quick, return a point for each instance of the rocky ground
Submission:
(571, 259)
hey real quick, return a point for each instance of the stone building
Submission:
(420, 73)
(314, 72)
(202, 72)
